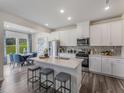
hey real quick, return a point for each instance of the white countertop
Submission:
(98, 55)
(71, 63)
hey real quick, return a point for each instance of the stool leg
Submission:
(55, 86)
(46, 83)
(32, 79)
(70, 84)
(61, 87)
(65, 87)
(27, 77)
(35, 74)
(39, 81)
(53, 82)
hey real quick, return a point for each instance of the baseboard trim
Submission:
(107, 75)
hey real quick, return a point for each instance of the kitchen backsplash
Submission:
(116, 50)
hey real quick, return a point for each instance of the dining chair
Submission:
(18, 59)
(29, 61)
(11, 59)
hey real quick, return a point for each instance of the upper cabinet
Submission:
(64, 38)
(83, 29)
(54, 36)
(95, 35)
(106, 34)
(116, 33)
(68, 37)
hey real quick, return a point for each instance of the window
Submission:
(10, 45)
(23, 45)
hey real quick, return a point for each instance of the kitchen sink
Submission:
(62, 58)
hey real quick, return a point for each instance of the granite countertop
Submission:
(68, 63)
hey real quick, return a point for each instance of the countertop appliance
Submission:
(85, 62)
(83, 42)
(53, 48)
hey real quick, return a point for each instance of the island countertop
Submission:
(68, 63)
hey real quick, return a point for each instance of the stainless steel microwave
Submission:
(83, 42)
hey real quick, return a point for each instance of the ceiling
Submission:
(47, 11)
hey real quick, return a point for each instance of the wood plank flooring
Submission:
(92, 83)
(16, 82)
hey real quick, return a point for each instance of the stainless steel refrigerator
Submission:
(54, 48)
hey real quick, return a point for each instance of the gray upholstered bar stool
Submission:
(34, 77)
(47, 83)
(63, 78)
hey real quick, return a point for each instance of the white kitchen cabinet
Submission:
(68, 38)
(106, 66)
(118, 67)
(63, 38)
(116, 33)
(72, 37)
(83, 29)
(106, 34)
(95, 35)
(54, 36)
(95, 64)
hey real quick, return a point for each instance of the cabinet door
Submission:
(95, 64)
(63, 38)
(118, 67)
(95, 35)
(54, 36)
(83, 29)
(68, 38)
(106, 66)
(116, 33)
(105, 31)
(72, 37)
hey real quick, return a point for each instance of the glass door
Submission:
(10, 45)
(23, 46)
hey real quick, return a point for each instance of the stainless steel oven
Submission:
(85, 60)
(83, 42)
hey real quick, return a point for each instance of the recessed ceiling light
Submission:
(46, 24)
(69, 18)
(62, 11)
(107, 7)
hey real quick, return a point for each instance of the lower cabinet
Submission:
(118, 67)
(107, 65)
(95, 64)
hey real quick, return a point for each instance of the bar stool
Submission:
(34, 76)
(63, 78)
(47, 84)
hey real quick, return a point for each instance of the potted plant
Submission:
(46, 52)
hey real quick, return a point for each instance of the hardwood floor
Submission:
(92, 83)
(16, 82)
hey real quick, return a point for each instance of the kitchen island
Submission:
(71, 66)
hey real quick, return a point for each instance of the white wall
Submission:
(10, 34)
(23, 22)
